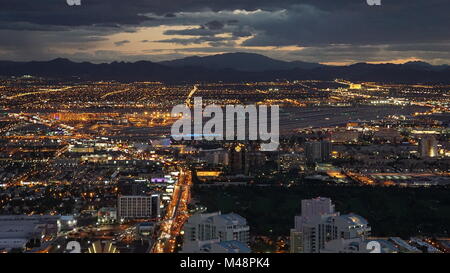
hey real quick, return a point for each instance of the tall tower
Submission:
(313, 151)
(325, 147)
(237, 158)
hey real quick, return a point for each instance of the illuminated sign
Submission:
(158, 180)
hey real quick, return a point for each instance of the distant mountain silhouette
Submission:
(426, 66)
(249, 67)
(240, 61)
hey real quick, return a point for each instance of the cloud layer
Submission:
(311, 30)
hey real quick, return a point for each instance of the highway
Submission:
(176, 214)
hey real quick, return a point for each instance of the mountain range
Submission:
(249, 62)
(230, 67)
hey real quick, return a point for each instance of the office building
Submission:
(155, 205)
(129, 186)
(139, 207)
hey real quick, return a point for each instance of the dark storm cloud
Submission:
(415, 27)
(438, 47)
(241, 33)
(121, 43)
(208, 33)
(214, 25)
(212, 40)
(307, 25)
(209, 29)
(200, 31)
(313, 24)
(57, 12)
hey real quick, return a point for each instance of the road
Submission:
(176, 214)
(191, 93)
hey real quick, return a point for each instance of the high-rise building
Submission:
(254, 160)
(131, 187)
(313, 151)
(203, 231)
(320, 224)
(326, 228)
(138, 207)
(155, 205)
(316, 206)
(325, 149)
(310, 208)
(428, 147)
(237, 159)
(216, 157)
(318, 151)
(245, 159)
(295, 241)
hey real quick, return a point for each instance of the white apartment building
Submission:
(203, 230)
(313, 207)
(320, 224)
(325, 228)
